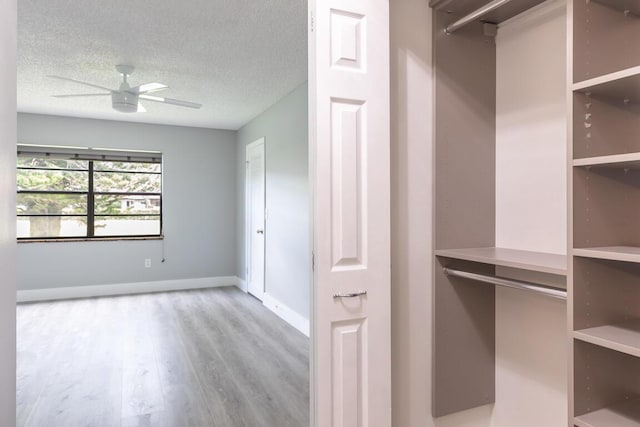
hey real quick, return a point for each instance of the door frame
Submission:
(248, 210)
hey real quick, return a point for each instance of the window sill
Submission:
(91, 239)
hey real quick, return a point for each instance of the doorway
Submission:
(255, 217)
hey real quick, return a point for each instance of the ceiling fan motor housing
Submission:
(125, 102)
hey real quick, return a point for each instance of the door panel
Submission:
(349, 148)
(256, 221)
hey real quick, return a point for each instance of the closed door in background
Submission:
(255, 217)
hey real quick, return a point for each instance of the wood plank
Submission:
(524, 260)
(624, 414)
(621, 161)
(613, 253)
(632, 6)
(623, 84)
(624, 337)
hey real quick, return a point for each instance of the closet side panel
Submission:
(464, 320)
(465, 64)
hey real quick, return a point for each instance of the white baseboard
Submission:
(124, 288)
(286, 313)
(242, 284)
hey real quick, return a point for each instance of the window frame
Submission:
(91, 192)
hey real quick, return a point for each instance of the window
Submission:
(84, 193)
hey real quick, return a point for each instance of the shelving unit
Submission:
(604, 273)
(620, 85)
(615, 161)
(623, 338)
(524, 260)
(465, 69)
(633, 6)
(626, 414)
(612, 253)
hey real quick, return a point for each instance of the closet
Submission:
(605, 241)
(600, 277)
(470, 263)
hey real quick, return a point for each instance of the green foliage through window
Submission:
(60, 198)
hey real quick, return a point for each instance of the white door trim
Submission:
(247, 214)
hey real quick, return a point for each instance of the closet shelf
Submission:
(503, 13)
(621, 85)
(613, 253)
(617, 161)
(624, 338)
(633, 6)
(524, 260)
(625, 414)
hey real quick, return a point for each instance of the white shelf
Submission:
(624, 84)
(524, 260)
(613, 253)
(624, 338)
(616, 161)
(626, 414)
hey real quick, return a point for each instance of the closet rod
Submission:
(449, 29)
(509, 283)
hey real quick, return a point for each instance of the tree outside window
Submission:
(63, 198)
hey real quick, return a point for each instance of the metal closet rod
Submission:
(509, 283)
(489, 7)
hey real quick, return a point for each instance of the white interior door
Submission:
(255, 231)
(349, 148)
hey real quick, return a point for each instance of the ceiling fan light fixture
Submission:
(124, 102)
(125, 99)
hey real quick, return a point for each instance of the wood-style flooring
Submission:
(214, 357)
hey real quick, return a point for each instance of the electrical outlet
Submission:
(147, 263)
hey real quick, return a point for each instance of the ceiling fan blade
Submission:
(81, 95)
(82, 83)
(171, 101)
(141, 108)
(148, 88)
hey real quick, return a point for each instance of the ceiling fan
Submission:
(127, 98)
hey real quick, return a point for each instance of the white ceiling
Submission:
(236, 57)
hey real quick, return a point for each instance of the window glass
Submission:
(49, 163)
(52, 204)
(43, 227)
(57, 198)
(52, 180)
(118, 182)
(127, 225)
(127, 204)
(125, 166)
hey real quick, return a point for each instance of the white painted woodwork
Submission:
(8, 13)
(347, 217)
(351, 185)
(256, 217)
(349, 149)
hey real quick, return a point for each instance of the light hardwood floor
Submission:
(213, 357)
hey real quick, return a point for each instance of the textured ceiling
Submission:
(236, 57)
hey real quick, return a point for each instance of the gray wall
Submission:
(411, 214)
(7, 212)
(285, 129)
(198, 207)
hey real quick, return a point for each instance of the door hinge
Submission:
(312, 22)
